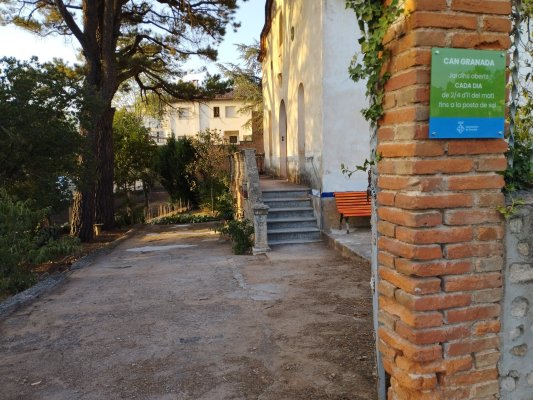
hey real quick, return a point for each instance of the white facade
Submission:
(155, 125)
(186, 119)
(312, 121)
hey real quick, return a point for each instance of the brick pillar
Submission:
(440, 250)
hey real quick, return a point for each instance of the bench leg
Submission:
(340, 222)
(347, 225)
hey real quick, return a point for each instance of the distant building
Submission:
(312, 121)
(155, 125)
(187, 118)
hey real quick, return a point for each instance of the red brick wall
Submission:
(440, 251)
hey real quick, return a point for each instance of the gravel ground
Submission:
(170, 313)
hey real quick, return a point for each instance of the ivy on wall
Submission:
(519, 174)
(374, 19)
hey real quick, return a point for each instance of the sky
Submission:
(15, 42)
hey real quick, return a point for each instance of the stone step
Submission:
(288, 202)
(291, 242)
(290, 212)
(290, 234)
(290, 193)
(282, 223)
(291, 218)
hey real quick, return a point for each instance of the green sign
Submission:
(467, 94)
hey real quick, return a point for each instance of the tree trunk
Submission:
(146, 191)
(98, 39)
(105, 207)
(83, 216)
(212, 200)
(83, 202)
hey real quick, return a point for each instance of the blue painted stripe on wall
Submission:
(327, 194)
(466, 128)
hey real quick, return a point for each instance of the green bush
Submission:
(225, 206)
(520, 175)
(240, 232)
(185, 218)
(24, 242)
(130, 216)
(55, 248)
(209, 192)
(174, 165)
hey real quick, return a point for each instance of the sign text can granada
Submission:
(467, 94)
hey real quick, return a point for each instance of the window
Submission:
(231, 112)
(184, 112)
(216, 112)
(231, 136)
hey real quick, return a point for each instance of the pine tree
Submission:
(121, 40)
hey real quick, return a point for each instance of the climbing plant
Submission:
(519, 173)
(374, 19)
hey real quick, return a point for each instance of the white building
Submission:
(312, 120)
(187, 118)
(155, 125)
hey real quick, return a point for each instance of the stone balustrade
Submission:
(245, 187)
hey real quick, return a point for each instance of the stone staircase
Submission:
(290, 218)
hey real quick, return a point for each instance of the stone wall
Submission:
(516, 364)
(246, 190)
(245, 182)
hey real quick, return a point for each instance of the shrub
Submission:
(130, 216)
(55, 248)
(24, 242)
(520, 175)
(240, 232)
(225, 206)
(174, 164)
(185, 218)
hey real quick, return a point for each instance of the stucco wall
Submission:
(346, 132)
(319, 41)
(202, 117)
(186, 125)
(516, 363)
(297, 60)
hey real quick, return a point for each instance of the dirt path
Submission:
(171, 314)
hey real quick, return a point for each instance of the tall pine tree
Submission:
(121, 40)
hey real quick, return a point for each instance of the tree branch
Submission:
(72, 25)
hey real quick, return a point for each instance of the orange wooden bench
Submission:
(352, 204)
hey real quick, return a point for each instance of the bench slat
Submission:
(353, 204)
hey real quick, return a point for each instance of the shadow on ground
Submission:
(172, 314)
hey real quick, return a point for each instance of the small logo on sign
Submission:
(460, 127)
